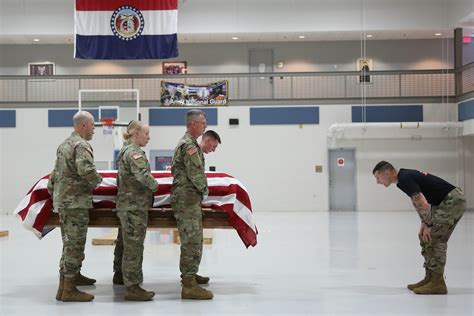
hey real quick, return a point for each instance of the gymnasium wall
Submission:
(469, 170)
(234, 57)
(275, 162)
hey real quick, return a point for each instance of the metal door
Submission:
(342, 180)
(260, 61)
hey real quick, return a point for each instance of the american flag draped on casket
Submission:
(226, 194)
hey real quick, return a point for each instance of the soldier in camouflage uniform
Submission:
(438, 221)
(136, 186)
(188, 190)
(71, 184)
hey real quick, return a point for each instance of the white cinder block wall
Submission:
(469, 169)
(276, 163)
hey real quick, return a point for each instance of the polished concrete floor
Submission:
(304, 264)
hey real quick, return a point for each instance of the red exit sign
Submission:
(466, 39)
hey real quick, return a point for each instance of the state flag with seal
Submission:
(126, 29)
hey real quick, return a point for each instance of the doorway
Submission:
(342, 180)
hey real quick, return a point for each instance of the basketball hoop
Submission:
(108, 125)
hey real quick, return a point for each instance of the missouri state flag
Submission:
(126, 29)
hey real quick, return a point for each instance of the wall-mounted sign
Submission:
(340, 162)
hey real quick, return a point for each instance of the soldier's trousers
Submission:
(128, 254)
(189, 221)
(444, 218)
(74, 233)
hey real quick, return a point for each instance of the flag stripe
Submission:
(111, 47)
(225, 194)
(112, 5)
(98, 22)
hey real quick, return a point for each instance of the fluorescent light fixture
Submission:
(235, 38)
(36, 39)
(438, 34)
(301, 36)
(369, 35)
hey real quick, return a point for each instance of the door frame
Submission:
(355, 177)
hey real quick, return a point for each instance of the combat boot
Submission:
(136, 293)
(199, 279)
(436, 285)
(118, 278)
(83, 280)
(60, 288)
(191, 290)
(427, 278)
(72, 294)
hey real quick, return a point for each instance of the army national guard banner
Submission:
(191, 95)
(226, 194)
(126, 29)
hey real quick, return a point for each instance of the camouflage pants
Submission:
(73, 232)
(188, 216)
(445, 218)
(128, 254)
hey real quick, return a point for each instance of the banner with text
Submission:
(179, 94)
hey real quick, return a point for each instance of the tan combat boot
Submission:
(191, 290)
(118, 278)
(83, 280)
(427, 278)
(136, 293)
(435, 286)
(199, 279)
(60, 288)
(72, 294)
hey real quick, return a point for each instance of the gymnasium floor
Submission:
(336, 263)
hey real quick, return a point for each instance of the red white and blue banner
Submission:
(126, 29)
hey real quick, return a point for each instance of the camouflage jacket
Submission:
(188, 168)
(135, 182)
(74, 175)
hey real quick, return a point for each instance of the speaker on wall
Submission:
(234, 121)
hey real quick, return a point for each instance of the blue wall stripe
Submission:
(63, 117)
(176, 116)
(388, 113)
(284, 115)
(466, 110)
(7, 118)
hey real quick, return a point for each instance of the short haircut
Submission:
(383, 166)
(82, 117)
(192, 115)
(212, 134)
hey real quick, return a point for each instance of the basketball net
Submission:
(107, 127)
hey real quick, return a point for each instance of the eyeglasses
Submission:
(201, 122)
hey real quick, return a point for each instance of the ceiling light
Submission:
(438, 34)
(301, 36)
(36, 39)
(235, 38)
(369, 35)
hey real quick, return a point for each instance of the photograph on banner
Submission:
(179, 94)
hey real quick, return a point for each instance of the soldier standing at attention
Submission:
(71, 184)
(437, 221)
(188, 190)
(136, 186)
